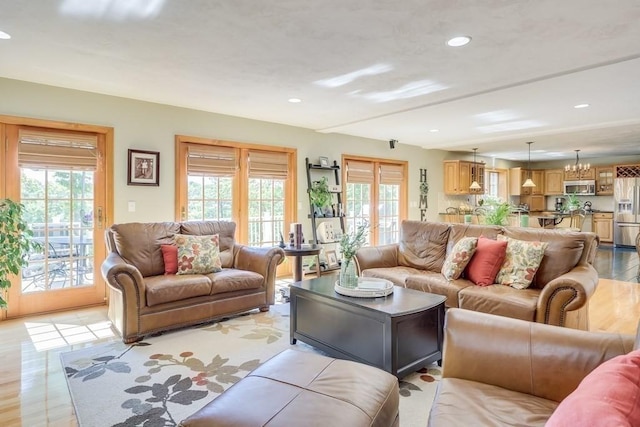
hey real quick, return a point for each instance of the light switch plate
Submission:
(132, 206)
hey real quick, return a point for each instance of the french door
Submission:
(60, 176)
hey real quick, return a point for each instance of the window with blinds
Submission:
(376, 194)
(245, 183)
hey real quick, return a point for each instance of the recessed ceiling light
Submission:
(581, 106)
(434, 130)
(459, 41)
(295, 100)
(4, 36)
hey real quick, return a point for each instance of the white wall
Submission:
(148, 126)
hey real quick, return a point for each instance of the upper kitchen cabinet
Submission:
(571, 175)
(553, 180)
(459, 174)
(604, 181)
(517, 177)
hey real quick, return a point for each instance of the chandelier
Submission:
(577, 167)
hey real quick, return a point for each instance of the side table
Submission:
(297, 255)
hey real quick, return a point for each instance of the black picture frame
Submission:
(143, 167)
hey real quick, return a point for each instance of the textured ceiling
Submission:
(377, 69)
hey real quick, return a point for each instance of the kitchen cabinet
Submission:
(604, 181)
(579, 176)
(517, 177)
(553, 182)
(459, 174)
(603, 226)
(536, 202)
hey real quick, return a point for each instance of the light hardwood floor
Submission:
(33, 389)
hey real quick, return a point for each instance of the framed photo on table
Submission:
(332, 259)
(143, 168)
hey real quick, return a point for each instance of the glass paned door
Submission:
(59, 208)
(266, 211)
(209, 198)
(389, 214)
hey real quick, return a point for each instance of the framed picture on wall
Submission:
(143, 168)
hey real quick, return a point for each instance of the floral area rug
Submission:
(165, 378)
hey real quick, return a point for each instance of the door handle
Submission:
(183, 214)
(99, 217)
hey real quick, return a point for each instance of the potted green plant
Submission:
(497, 213)
(573, 202)
(15, 243)
(320, 196)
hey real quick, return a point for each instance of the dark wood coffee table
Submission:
(400, 333)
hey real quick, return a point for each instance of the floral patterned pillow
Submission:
(459, 257)
(198, 254)
(521, 262)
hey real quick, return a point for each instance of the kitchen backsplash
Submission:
(599, 203)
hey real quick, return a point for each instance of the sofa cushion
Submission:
(423, 245)
(198, 254)
(521, 262)
(458, 231)
(162, 289)
(501, 300)
(460, 402)
(608, 396)
(435, 283)
(397, 275)
(486, 261)
(230, 279)
(459, 257)
(170, 257)
(139, 244)
(564, 251)
(225, 230)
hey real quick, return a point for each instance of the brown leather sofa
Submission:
(143, 300)
(501, 371)
(559, 294)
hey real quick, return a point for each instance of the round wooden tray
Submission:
(371, 288)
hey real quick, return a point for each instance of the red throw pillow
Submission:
(608, 396)
(486, 261)
(170, 256)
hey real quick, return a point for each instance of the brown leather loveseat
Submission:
(143, 299)
(559, 294)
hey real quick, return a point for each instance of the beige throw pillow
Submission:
(198, 254)
(520, 263)
(459, 257)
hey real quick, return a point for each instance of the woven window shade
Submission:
(211, 160)
(359, 172)
(391, 174)
(268, 165)
(57, 150)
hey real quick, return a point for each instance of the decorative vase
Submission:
(348, 275)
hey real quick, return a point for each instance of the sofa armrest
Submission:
(566, 293)
(377, 257)
(125, 278)
(543, 360)
(263, 261)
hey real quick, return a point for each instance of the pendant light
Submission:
(529, 182)
(474, 176)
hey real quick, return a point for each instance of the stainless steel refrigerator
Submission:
(626, 214)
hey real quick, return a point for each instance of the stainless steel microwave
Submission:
(580, 188)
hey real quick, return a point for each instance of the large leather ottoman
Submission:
(300, 388)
